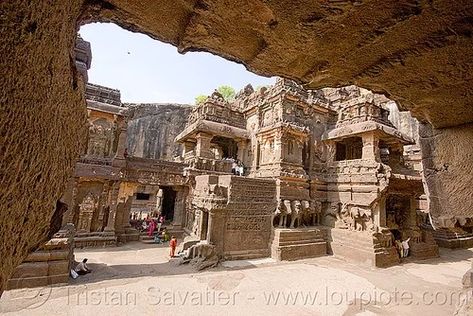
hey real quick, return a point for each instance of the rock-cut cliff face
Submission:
(153, 127)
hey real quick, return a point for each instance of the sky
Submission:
(149, 71)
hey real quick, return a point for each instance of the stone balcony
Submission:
(208, 164)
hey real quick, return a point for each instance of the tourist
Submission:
(234, 167)
(173, 245)
(241, 169)
(144, 226)
(405, 247)
(151, 227)
(165, 235)
(160, 222)
(82, 267)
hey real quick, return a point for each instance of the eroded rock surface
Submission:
(42, 121)
(418, 52)
(153, 127)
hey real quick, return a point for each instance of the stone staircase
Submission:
(144, 238)
(173, 231)
(300, 243)
(94, 239)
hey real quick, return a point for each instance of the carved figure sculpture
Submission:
(296, 213)
(306, 213)
(315, 211)
(86, 211)
(287, 206)
(281, 212)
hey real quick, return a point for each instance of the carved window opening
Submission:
(391, 154)
(227, 147)
(142, 196)
(290, 147)
(349, 149)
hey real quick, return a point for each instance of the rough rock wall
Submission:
(447, 160)
(406, 124)
(153, 127)
(42, 121)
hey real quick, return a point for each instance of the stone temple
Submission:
(72, 152)
(281, 172)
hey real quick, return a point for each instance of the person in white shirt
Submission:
(82, 268)
(405, 247)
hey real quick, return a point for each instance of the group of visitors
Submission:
(402, 247)
(153, 226)
(237, 167)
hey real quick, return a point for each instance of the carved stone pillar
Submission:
(97, 223)
(202, 148)
(371, 147)
(113, 202)
(210, 226)
(241, 155)
(119, 159)
(124, 201)
(179, 207)
(159, 200)
(279, 148)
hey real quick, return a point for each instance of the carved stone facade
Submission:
(337, 160)
(310, 168)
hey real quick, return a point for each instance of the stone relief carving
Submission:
(352, 217)
(86, 210)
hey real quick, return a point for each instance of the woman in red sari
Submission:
(151, 227)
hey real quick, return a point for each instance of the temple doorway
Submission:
(397, 213)
(169, 200)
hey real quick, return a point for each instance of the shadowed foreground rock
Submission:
(418, 53)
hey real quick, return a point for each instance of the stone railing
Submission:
(224, 166)
(96, 160)
(102, 94)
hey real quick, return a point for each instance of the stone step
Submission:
(299, 251)
(297, 242)
(247, 254)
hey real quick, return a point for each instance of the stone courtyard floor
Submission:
(137, 279)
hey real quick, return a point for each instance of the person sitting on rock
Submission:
(82, 267)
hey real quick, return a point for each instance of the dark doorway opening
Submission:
(169, 199)
(349, 149)
(204, 225)
(227, 145)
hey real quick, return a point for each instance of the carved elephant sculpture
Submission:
(296, 213)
